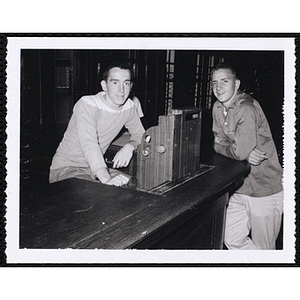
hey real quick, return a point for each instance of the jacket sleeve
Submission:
(86, 121)
(221, 141)
(243, 139)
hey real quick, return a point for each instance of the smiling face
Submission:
(117, 87)
(224, 85)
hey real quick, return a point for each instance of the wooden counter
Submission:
(76, 213)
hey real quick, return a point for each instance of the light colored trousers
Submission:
(260, 216)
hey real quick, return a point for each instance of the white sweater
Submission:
(91, 129)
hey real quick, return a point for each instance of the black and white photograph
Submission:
(144, 150)
(149, 150)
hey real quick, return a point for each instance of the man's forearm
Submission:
(221, 149)
(103, 175)
(223, 146)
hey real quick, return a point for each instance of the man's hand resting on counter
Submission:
(115, 178)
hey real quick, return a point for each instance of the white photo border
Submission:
(15, 255)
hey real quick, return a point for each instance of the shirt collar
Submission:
(236, 96)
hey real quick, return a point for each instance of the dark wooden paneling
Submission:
(202, 231)
(184, 79)
(154, 104)
(30, 89)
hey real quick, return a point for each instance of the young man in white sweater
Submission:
(95, 122)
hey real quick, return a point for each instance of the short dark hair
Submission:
(118, 64)
(224, 66)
